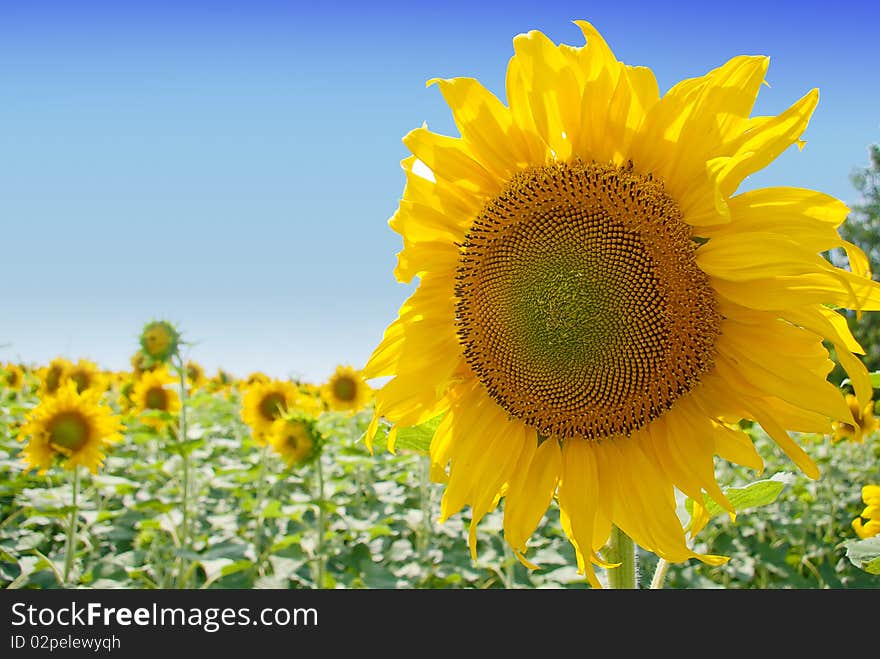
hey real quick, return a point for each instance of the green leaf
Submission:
(753, 495)
(272, 510)
(875, 380)
(418, 438)
(865, 554)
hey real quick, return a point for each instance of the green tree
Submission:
(862, 227)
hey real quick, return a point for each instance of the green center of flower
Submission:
(156, 398)
(580, 305)
(344, 388)
(272, 406)
(68, 432)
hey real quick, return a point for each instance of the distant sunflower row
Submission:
(81, 410)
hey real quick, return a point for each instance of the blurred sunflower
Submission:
(863, 416)
(295, 439)
(86, 375)
(151, 394)
(159, 341)
(256, 376)
(221, 381)
(346, 390)
(141, 364)
(594, 297)
(69, 425)
(871, 513)
(264, 403)
(195, 376)
(12, 377)
(310, 400)
(51, 376)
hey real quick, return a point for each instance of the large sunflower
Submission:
(596, 304)
(72, 426)
(264, 403)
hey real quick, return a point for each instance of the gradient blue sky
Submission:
(232, 166)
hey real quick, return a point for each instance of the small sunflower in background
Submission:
(255, 377)
(221, 381)
(126, 391)
(871, 513)
(295, 438)
(86, 375)
(52, 376)
(11, 377)
(346, 390)
(865, 422)
(310, 399)
(151, 394)
(266, 402)
(141, 364)
(159, 341)
(195, 376)
(71, 426)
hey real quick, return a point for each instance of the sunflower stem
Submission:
(71, 529)
(184, 503)
(424, 539)
(319, 545)
(621, 549)
(261, 497)
(660, 572)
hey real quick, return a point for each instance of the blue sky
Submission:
(231, 166)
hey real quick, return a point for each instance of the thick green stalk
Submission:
(621, 549)
(71, 529)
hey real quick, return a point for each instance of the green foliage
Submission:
(799, 540)
(754, 495)
(253, 521)
(863, 229)
(865, 554)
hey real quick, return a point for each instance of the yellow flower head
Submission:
(195, 376)
(85, 375)
(152, 394)
(256, 376)
(159, 341)
(264, 403)
(11, 377)
(295, 439)
(871, 514)
(594, 294)
(71, 426)
(140, 364)
(53, 375)
(346, 390)
(865, 422)
(221, 381)
(310, 400)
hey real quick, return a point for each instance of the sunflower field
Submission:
(260, 517)
(619, 367)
